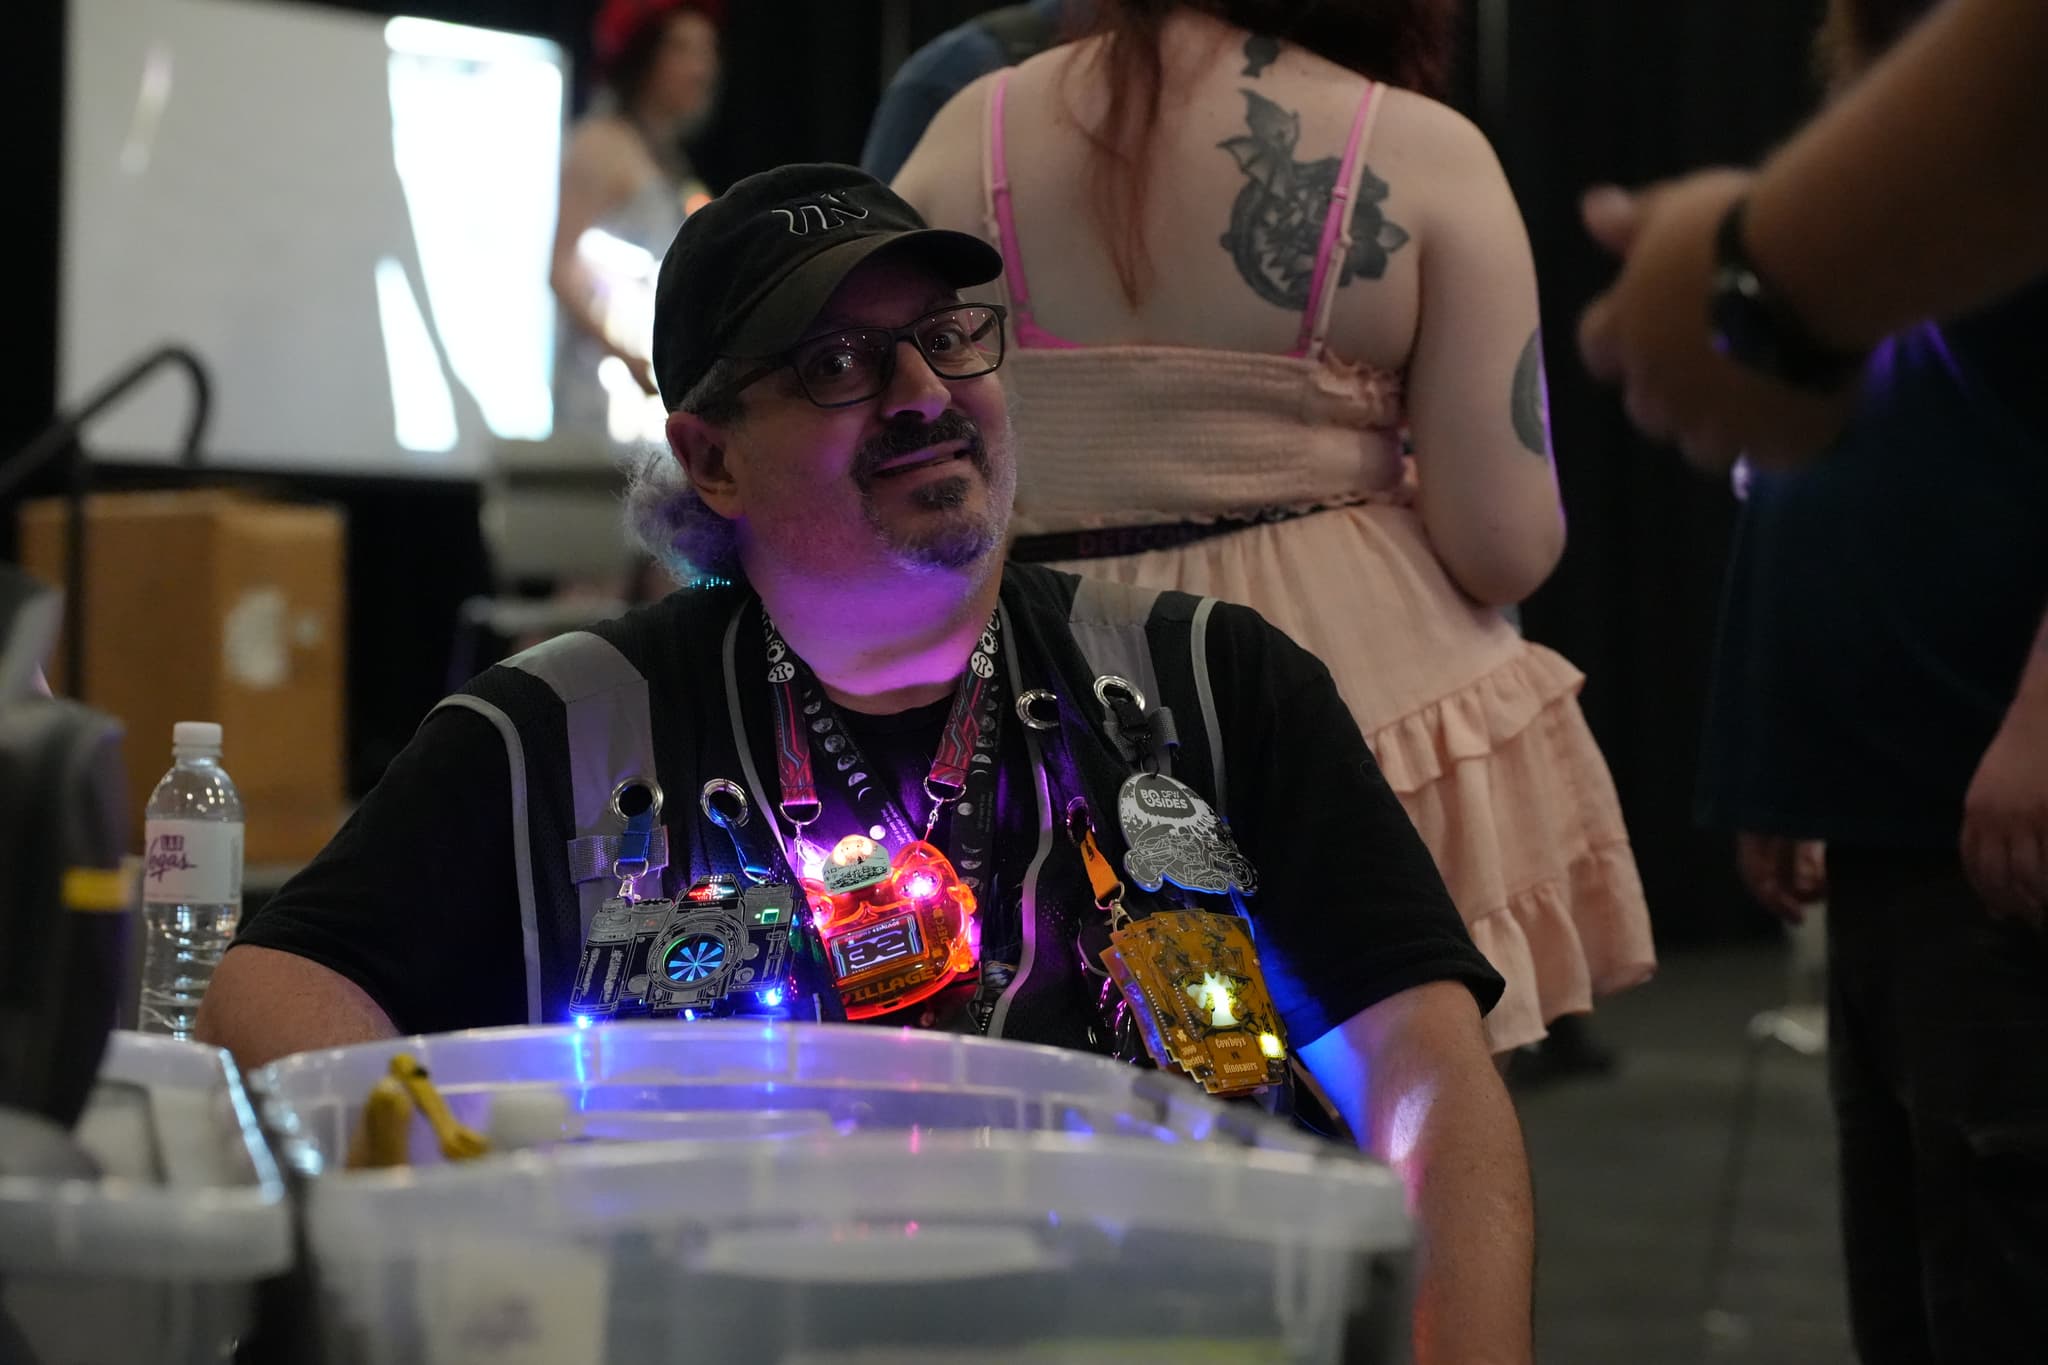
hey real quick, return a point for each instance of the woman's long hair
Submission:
(1401, 42)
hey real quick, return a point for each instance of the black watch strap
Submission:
(1757, 328)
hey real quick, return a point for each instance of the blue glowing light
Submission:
(582, 1020)
(772, 997)
(694, 959)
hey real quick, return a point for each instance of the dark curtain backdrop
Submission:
(1593, 89)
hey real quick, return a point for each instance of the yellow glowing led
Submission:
(1216, 995)
(1269, 1043)
(852, 849)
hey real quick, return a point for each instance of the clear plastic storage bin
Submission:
(813, 1193)
(159, 1259)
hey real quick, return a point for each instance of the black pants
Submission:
(1938, 1063)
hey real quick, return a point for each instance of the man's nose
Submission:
(914, 388)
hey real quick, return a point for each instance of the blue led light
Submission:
(582, 1020)
(772, 997)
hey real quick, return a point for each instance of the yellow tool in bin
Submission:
(380, 1138)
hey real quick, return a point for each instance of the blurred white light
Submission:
(476, 140)
(423, 411)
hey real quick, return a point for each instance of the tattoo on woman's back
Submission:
(1276, 221)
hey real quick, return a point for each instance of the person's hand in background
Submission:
(2005, 815)
(1786, 876)
(1650, 333)
(643, 373)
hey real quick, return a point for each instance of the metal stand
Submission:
(60, 439)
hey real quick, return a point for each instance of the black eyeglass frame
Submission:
(897, 336)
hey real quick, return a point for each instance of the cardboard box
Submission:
(210, 605)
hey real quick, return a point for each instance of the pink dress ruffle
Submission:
(1477, 730)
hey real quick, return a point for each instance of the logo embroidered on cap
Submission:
(829, 211)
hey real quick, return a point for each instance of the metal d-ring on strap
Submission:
(1027, 704)
(637, 801)
(725, 804)
(1110, 682)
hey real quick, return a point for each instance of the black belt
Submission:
(1112, 541)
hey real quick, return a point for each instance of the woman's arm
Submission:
(1477, 404)
(596, 178)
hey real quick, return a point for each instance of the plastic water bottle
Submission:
(191, 879)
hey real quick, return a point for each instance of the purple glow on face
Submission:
(922, 886)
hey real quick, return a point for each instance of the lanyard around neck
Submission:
(789, 679)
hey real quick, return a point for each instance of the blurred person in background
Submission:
(1878, 735)
(1246, 251)
(627, 185)
(1747, 304)
(948, 64)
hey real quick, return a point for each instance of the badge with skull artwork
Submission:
(1172, 835)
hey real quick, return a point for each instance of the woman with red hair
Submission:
(626, 187)
(1248, 257)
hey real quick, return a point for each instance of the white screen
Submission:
(347, 218)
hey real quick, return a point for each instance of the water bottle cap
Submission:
(196, 734)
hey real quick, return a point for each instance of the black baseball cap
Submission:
(748, 272)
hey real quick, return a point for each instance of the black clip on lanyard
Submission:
(1144, 739)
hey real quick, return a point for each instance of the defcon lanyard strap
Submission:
(804, 715)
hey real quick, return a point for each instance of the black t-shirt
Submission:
(416, 899)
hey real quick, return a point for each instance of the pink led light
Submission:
(922, 886)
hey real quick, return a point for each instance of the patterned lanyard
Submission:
(971, 726)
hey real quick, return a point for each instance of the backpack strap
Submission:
(522, 844)
(1111, 623)
(611, 744)
(610, 735)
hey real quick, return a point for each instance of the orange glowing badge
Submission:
(895, 930)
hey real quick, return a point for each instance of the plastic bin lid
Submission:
(1031, 1080)
(199, 1227)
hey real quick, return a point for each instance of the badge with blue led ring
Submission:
(1172, 835)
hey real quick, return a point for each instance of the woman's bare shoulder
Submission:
(603, 138)
(1411, 126)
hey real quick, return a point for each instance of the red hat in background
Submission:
(618, 21)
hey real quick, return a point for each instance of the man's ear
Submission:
(699, 446)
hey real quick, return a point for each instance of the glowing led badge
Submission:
(1195, 990)
(1172, 835)
(895, 930)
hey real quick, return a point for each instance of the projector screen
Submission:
(348, 218)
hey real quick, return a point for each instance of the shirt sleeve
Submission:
(1350, 908)
(415, 900)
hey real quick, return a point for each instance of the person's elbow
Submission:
(263, 1004)
(1499, 566)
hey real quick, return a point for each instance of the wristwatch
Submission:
(1756, 327)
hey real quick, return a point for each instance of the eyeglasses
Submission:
(839, 369)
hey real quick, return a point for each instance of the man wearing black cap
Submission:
(852, 671)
